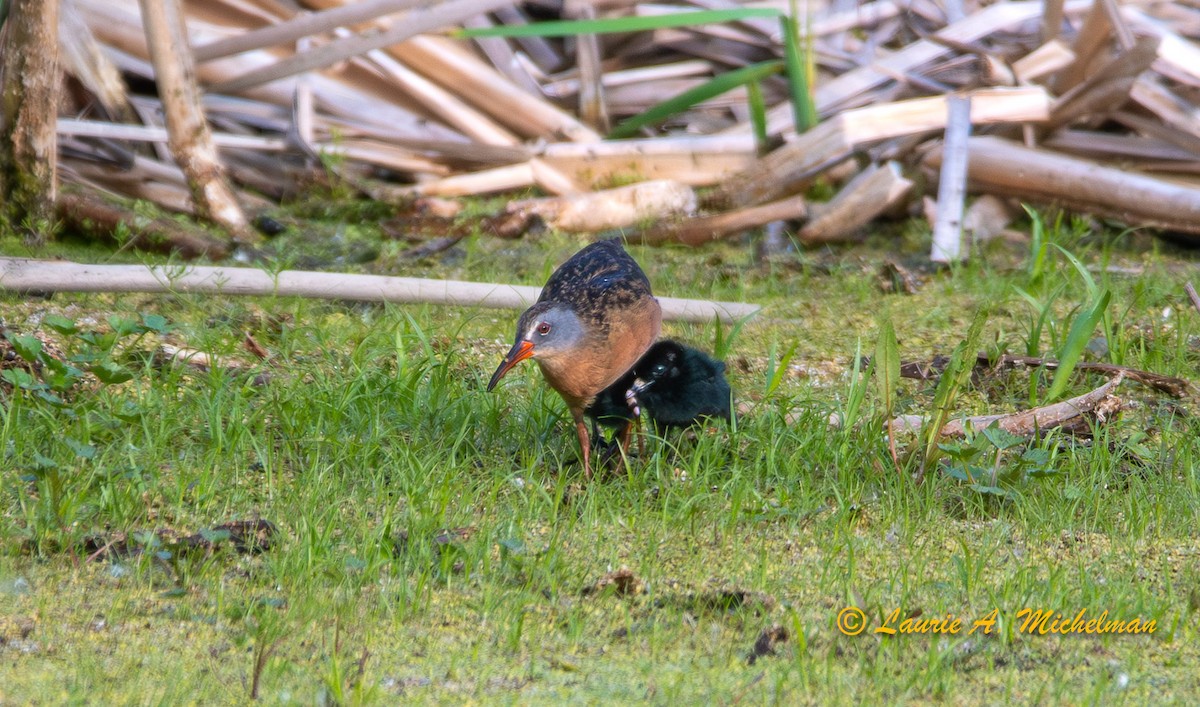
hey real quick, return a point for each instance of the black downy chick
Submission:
(673, 384)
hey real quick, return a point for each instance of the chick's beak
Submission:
(519, 352)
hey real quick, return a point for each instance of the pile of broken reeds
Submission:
(1094, 106)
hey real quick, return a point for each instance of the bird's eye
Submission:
(543, 328)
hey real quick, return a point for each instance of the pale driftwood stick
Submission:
(952, 184)
(1177, 52)
(1046, 59)
(304, 103)
(84, 57)
(862, 15)
(502, 56)
(769, 28)
(537, 53)
(483, 182)
(413, 23)
(788, 169)
(1168, 131)
(698, 160)
(1026, 423)
(488, 90)
(866, 15)
(1021, 104)
(350, 94)
(1191, 293)
(566, 87)
(552, 180)
(1008, 168)
(1093, 37)
(855, 87)
(302, 25)
(954, 10)
(693, 146)
(440, 102)
(190, 141)
(592, 106)
(1052, 18)
(382, 153)
(1121, 31)
(1127, 147)
(733, 33)
(633, 98)
(149, 133)
(22, 275)
(605, 210)
(1176, 122)
(871, 193)
(698, 231)
(1105, 90)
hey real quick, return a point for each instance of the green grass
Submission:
(375, 421)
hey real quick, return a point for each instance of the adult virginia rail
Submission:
(594, 319)
(673, 384)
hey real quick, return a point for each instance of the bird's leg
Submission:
(632, 428)
(584, 444)
(623, 438)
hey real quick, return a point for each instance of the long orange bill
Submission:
(519, 352)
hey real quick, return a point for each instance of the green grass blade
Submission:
(953, 379)
(887, 379)
(608, 25)
(1090, 282)
(758, 114)
(1093, 293)
(799, 62)
(689, 98)
(1035, 332)
(1037, 244)
(856, 391)
(1081, 329)
(722, 341)
(778, 370)
(887, 365)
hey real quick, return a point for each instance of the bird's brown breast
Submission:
(613, 345)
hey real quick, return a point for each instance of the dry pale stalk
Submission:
(791, 167)
(952, 183)
(609, 209)
(1099, 403)
(24, 275)
(871, 193)
(189, 137)
(1002, 167)
(698, 231)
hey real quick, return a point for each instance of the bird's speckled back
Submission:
(599, 279)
